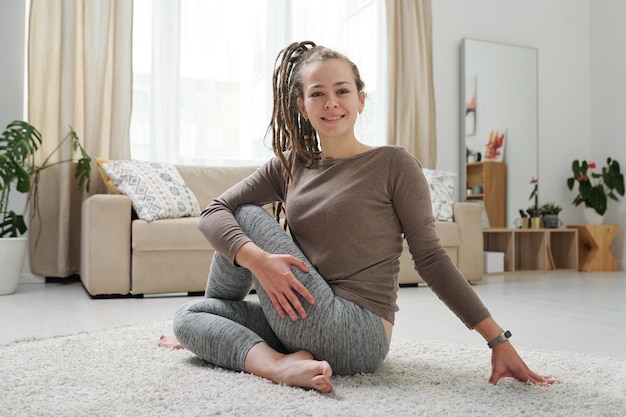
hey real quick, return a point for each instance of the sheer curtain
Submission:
(202, 86)
(202, 72)
(79, 74)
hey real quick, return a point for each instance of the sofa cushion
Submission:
(168, 234)
(442, 192)
(209, 182)
(449, 233)
(156, 189)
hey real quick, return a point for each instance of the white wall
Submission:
(582, 87)
(564, 71)
(608, 98)
(12, 82)
(12, 20)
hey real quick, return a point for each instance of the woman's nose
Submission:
(331, 102)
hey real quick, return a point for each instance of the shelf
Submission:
(534, 250)
(491, 176)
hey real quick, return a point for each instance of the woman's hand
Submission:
(275, 276)
(506, 363)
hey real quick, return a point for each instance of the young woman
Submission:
(327, 293)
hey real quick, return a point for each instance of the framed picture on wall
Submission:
(494, 148)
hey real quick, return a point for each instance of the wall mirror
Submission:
(499, 122)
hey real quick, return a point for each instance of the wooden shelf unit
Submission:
(534, 250)
(492, 177)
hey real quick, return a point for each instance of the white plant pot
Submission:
(12, 252)
(592, 217)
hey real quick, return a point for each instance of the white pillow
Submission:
(442, 185)
(157, 190)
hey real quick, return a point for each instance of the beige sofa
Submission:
(122, 255)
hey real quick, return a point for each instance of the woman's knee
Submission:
(249, 216)
(266, 232)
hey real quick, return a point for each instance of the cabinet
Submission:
(491, 176)
(534, 250)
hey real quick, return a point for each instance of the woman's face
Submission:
(331, 100)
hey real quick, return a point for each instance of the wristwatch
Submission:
(502, 338)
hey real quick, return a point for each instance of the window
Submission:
(202, 72)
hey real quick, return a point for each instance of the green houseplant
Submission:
(550, 208)
(470, 155)
(594, 189)
(550, 215)
(18, 172)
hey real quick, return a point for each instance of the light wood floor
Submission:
(581, 312)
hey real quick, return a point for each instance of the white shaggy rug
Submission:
(121, 372)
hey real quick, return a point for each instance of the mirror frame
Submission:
(519, 169)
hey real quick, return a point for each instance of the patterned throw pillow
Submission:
(157, 190)
(442, 185)
(107, 180)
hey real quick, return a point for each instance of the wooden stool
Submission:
(593, 247)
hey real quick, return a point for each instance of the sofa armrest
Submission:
(470, 254)
(105, 244)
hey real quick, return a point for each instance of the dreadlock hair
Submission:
(289, 130)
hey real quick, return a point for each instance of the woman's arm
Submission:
(217, 221)
(412, 203)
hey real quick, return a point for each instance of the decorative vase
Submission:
(591, 216)
(12, 252)
(535, 222)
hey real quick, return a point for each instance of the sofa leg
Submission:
(113, 296)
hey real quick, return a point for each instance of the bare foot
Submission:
(169, 342)
(297, 369)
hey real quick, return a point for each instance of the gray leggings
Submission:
(221, 328)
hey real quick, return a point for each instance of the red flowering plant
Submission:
(533, 211)
(594, 189)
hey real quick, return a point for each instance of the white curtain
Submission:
(202, 89)
(165, 82)
(79, 75)
(202, 72)
(411, 97)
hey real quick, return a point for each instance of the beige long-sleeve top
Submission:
(349, 217)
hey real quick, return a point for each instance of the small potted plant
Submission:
(594, 189)
(470, 155)
(550, 215)
(18, 171)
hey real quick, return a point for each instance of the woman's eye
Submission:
(343, 91)
(317, 94)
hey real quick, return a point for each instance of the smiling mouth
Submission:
(332, 119)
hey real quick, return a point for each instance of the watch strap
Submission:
(502, 338)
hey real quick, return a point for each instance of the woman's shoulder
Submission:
(398, 155)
